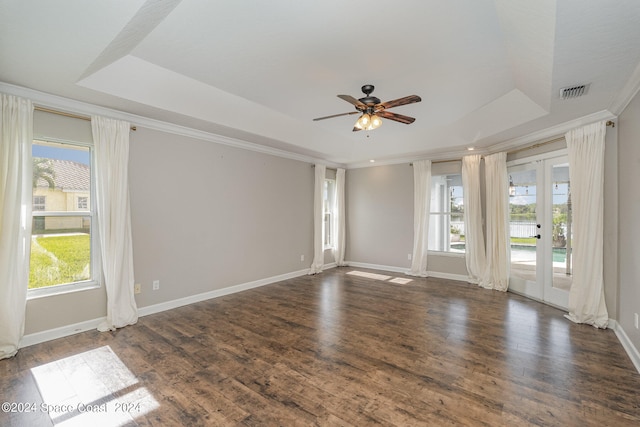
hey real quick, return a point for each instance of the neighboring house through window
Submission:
(62, 256)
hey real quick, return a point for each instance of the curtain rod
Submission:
(329, 169)
(540, 144)
(529, 147)
(63, 113)
(433, 162)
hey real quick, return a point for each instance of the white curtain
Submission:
(16, 135)
(318, 220)
(421, 213)
(111, 141)
(496, 274)
(586, 173)
(473, 235)
(339, 231)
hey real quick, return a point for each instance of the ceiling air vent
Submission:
(573, 91)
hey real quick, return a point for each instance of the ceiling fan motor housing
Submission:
(369, 100)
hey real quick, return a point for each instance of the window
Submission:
(39, 203)
(329, 197)
(62, 256)
(83, 202)
(446, 223)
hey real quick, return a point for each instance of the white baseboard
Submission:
(61, 332)
(403, 270)
(157, 308)
(76, 328)
(628, 346)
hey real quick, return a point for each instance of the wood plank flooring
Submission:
(334, 349)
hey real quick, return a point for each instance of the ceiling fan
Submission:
(372, 109)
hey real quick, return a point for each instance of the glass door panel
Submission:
(524, 227)
(540, 229)
(560, 235)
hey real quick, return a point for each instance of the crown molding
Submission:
(626, 95)
(389, 162)
(73, 106)
(449, 156)
(232, 142)
(511, 144)
(82, 108)
(66, 105)
(549, 133)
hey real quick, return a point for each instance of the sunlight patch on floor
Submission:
(91, 388)
(401, 280)
(369, 275)
(374, 276)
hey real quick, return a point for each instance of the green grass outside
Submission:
(59, 259)
(524, 240)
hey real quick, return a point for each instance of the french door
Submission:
(540, 217)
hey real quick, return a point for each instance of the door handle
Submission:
(537, 236)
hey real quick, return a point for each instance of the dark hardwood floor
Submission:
(333, 349)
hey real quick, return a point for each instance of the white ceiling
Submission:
(487, 71)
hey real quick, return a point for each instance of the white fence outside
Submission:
(517, 228)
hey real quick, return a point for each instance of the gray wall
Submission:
(380, 218)
(629, 212)
(204, 216)
(379, 210)
(207, 216)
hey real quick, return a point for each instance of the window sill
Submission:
(447, 254)
(61, 289)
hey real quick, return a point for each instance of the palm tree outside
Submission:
(42, 169)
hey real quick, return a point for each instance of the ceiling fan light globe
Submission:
(364, 121)
(376, 122)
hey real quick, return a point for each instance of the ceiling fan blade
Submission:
(336, 115)
(396, 117)
(400, 101)
(355, 129)
(351, 100)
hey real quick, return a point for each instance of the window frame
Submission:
(327, 225)
(95, 281)
(445, 214)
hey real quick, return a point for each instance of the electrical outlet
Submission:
(409, 257)
(137, 288)
(301, 258)
(156, 285)
(635, 319)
